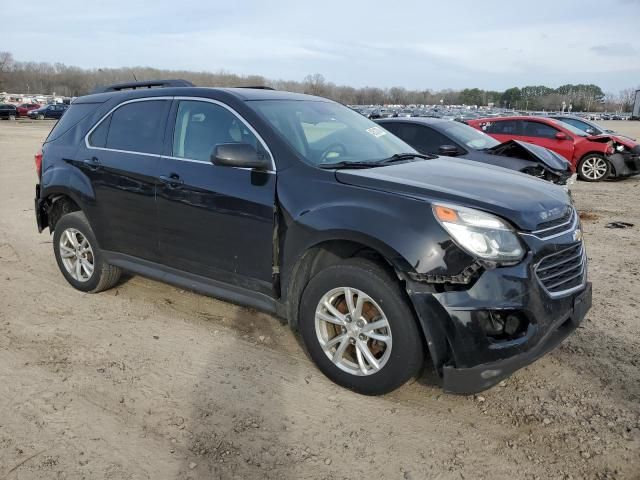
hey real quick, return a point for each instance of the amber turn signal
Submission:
(445, 214)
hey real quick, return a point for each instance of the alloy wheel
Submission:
(594, 168)
(353, 331)
(76, 254)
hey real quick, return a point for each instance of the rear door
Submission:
(120, 159)
(544, 135)
(215, 221)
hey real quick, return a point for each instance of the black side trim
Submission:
(231, 293)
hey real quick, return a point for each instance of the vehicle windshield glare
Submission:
(470, 137)
(327, 132)
(571, 128)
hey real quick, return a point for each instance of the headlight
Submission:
(481, 234)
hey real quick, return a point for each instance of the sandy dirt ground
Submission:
(147, 381)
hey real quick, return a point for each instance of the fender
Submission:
(69, 181)
(400, 228)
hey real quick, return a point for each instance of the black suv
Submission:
(8, 111)
(299, 206)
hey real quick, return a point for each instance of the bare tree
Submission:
(6, 63)
(314, 84)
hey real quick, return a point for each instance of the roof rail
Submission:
(258, 87)
(148, 84)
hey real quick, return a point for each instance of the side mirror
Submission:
(239, 155)
(448, 150)
(561, 136)
(590, 131)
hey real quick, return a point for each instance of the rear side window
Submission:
(504, 127)
(98, 137)
(134, 127)
(71, 117)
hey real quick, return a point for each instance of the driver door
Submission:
(214, 221)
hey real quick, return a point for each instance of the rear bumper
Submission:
(42, 220)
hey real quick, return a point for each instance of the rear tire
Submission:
(79, 258)
(12, 117)
(342, 339)
(40, 117)
(593, 167)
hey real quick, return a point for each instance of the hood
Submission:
(626, 141)
(524, 200)
(528, 151)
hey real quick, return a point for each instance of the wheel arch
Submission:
(329, 251)
(57, 201)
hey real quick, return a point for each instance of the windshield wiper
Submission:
(400, 157)
(338, 165)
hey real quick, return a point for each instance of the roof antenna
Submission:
(134, 75)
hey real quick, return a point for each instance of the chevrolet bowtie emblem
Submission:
(577, 235)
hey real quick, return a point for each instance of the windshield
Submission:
(571, 128)
(470, 137)
(327, 132)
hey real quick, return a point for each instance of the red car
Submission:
(593, 157)
(27, 107)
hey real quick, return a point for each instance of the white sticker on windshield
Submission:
(376, 131)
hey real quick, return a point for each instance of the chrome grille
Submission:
(563, 272)
(557, 227)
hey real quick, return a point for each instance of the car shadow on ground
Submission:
(237, 427)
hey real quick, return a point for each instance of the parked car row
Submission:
(593, 157)
(378, 254)
(34, 111)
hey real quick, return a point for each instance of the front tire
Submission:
(40, 117)
(79, 258)
(359, 328)
(594, 168)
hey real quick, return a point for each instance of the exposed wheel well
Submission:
(57, 206)
(320, 257)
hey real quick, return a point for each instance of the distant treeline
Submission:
(65, 80)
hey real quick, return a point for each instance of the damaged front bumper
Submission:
(506, 319)
(626, 163)
(480, 377)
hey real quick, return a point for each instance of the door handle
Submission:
(92, 163)
(172, 181)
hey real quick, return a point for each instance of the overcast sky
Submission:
(489, 44)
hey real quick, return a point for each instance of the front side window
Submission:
(422, 138)
(327, 132)
(539, 129)
(200, 126)
(576, 130)
(470, 137)
(137, 127)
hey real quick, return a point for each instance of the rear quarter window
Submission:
(72, 116)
